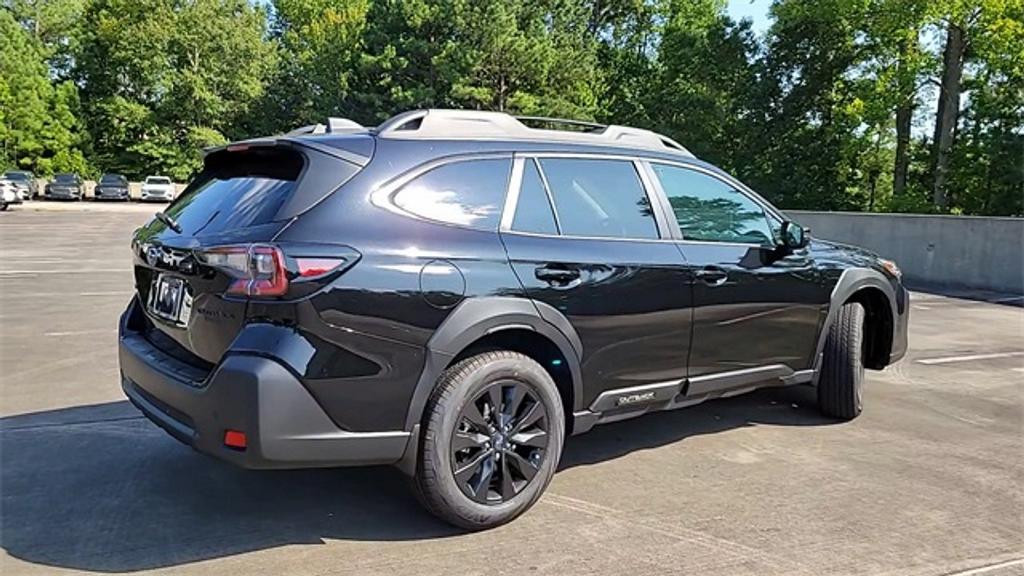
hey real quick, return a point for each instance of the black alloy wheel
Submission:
(499, 442)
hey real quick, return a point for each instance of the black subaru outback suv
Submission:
(456, 292)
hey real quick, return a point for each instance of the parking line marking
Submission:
(989, 568)
(79, 332)
(969, 357)
(85, 271)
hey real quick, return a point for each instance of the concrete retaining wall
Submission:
(934, 251)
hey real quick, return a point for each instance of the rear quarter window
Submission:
(465, 193)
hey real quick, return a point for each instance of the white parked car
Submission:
(158, 189)
(8, 195)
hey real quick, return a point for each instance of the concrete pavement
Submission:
(929, 481)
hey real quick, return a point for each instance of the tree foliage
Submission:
(840, 104)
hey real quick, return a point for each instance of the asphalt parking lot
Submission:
(929, 481)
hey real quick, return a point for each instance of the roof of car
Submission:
(436, 125)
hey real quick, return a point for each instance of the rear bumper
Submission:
(284, 425)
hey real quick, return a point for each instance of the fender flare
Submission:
(850, 281)
(475, 318)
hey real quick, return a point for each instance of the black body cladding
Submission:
(623, 324)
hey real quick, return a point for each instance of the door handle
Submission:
(556, 274)
(713, 275)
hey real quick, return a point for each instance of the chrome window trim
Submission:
(515, 183)
(603, 238)
(547, 192)
(382, 195)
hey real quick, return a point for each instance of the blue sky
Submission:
(756, 10)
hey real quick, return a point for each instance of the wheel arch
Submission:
(878, 325)
(490, 323)
(873, 290)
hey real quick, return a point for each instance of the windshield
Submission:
(158, 180)
(19, 176)
(65, 178)
(113, 179)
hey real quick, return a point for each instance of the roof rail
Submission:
(542, 120)
(334, 125)
(443, 124)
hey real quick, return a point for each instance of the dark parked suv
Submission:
(456, 292)
(112, 187)
(64, 187)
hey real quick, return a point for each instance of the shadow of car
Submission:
(124, 497)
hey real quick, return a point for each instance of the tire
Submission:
(466, 386)
(841, 384)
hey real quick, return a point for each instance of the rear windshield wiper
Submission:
(161, 216)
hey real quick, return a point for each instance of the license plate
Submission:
(169, 300)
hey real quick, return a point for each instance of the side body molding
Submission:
(850, 281)
(475, 318)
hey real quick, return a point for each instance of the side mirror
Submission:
(794, 236)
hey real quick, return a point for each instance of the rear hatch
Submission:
(186, 265)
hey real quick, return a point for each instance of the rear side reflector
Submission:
(234, 439)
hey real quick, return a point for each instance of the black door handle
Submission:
(713, 275)
(556, 274)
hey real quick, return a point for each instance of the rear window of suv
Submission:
(237, 190)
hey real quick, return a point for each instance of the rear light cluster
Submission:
(261, 270)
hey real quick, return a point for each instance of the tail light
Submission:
(266, 270)
(256, 269)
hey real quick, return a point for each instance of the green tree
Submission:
(709, 108)
(40, 130)
(986, 164)
(54, 25)
(164, 79)
(525, 56)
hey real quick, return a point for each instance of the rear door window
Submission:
(466, 193)
(599, 198)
